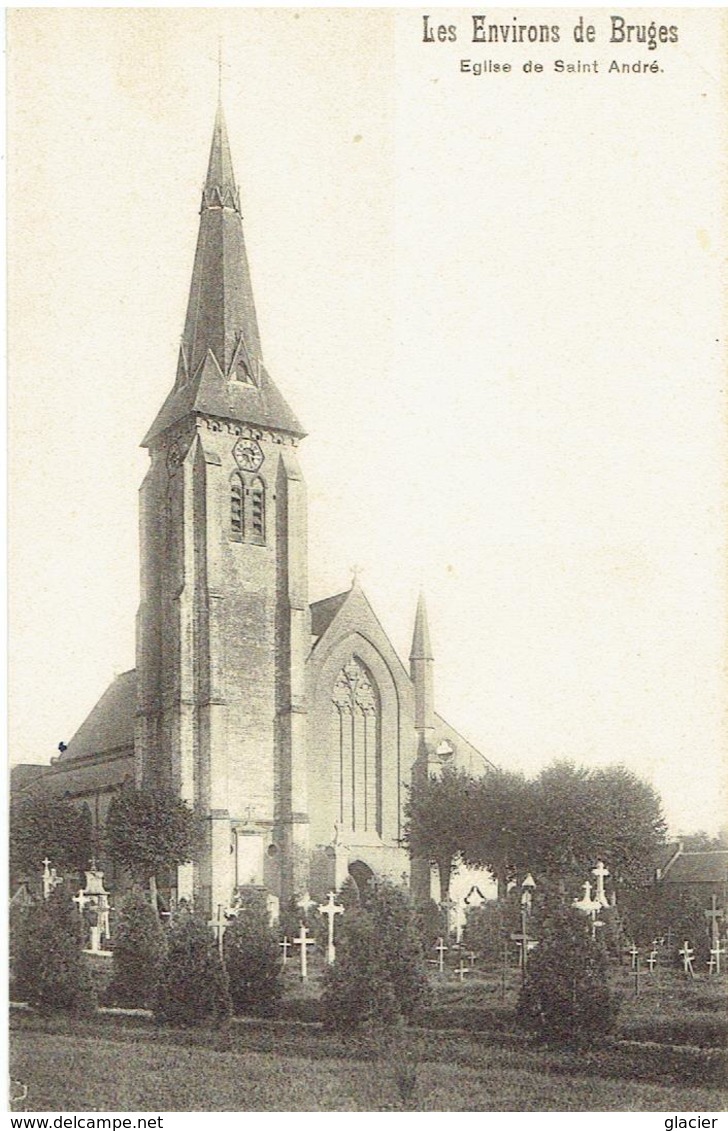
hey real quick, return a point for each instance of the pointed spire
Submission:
(220, 189)
(421, 647)
(220, 369)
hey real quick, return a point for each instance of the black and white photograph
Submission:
(367, 480)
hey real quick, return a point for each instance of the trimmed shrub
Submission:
(48, 963)
(430, 924)
(566, 997)
(139, 950)
(193, 986)
(488, 927)
(379, 973)
(253, 963)
(357, 990)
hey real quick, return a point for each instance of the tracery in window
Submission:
(358, 759)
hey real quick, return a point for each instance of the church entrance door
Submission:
(362, 875)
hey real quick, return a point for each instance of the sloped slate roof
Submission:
(211, 394)
(323, 612)
(698, 868)
(110, 724)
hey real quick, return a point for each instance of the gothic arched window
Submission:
(237, 509)
(359, 764)
(257, 511)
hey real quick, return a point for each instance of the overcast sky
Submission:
(496, 304)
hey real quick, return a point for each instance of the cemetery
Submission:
(544, 999)
(233, 889)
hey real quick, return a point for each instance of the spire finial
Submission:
(356, 571)
(421, 647)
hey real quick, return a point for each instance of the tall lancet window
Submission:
(237, 510)
(358, 761)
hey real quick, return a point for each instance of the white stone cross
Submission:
(652, 960)
(716, 953)
(330, 909)
(462, 970)
(586, 904)
(306, 903)
(303, 941)
(81, 899)
(218, 925)
(634, 951)
(286, 946)
(714, 916)
(601, 874)
(50, 879)
(440, 948)
(686, 954)
(471, 957)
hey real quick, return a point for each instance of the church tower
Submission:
(223, 627)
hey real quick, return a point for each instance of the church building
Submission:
(292, 728)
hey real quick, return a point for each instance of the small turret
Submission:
(422, 665)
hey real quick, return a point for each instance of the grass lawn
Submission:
(465, 1055)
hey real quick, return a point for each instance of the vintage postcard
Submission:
(367, 534)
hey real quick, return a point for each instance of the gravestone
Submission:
(304, 941)
(687, 953)
(330, 909)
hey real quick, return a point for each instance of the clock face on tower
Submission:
(248, 455)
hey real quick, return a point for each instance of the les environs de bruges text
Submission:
(617, 32)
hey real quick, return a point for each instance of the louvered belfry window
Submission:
(257, 511)
(237, 510)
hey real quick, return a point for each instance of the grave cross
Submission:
(306, 903)
(330, 909)
(716, 953)
(303, 941)
(601, 874)
(218, 925)
(714, 916)
(634, 951)
(440, 948)
(285, 946)
(81, 899)
(686, 954)
(652, 960)
(471, 957)
(462, 970)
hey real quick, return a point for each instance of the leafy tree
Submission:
(629, 825)
(435, 814)
(379, 973)
(139, 950)
(43, 827)
(661, 911)
(253, 962)
(49, 967)
(566, 997)
(703, 842)
(564, 818)
(578, 815)
(193, 986)
(498, 826)
(149, 831)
